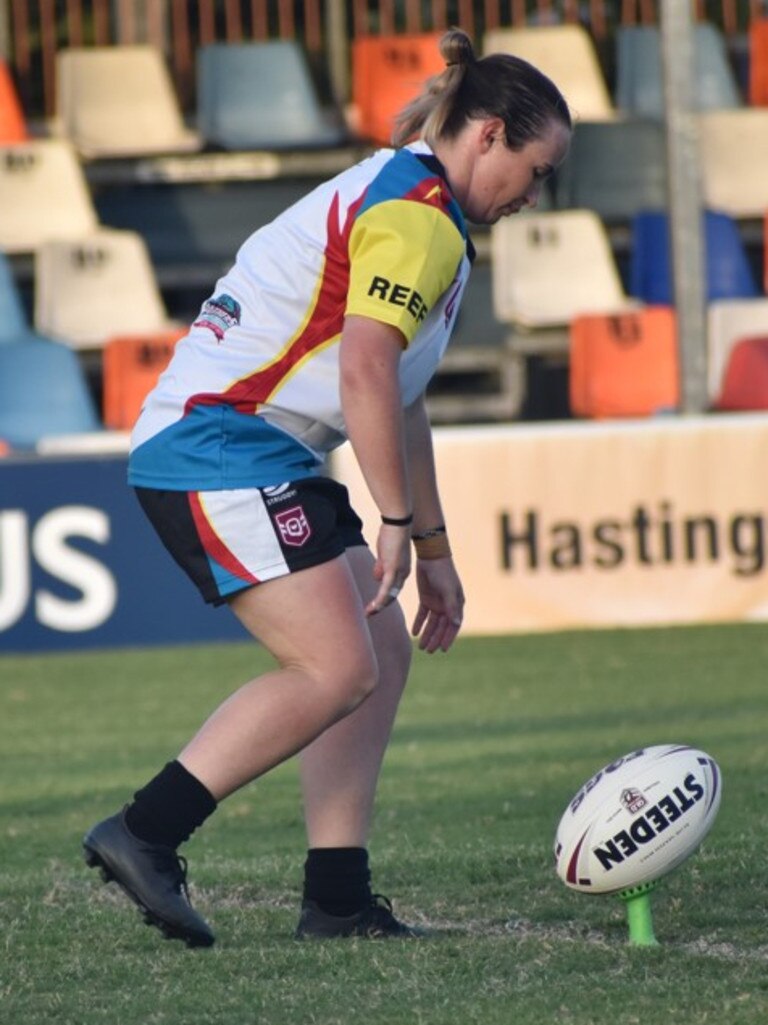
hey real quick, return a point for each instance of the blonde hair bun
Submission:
(456, 48)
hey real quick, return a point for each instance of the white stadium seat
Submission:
(566, 54)
(733, 146)
(119, 101)
(549, 267)
(90, 289)
(43, 194)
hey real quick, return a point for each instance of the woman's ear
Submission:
(491, 132)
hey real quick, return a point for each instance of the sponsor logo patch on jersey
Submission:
(219, 314)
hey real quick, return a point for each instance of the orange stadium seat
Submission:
(624, 365)
(758, 62)
(131, 367)
(13, 125)
(388, 72)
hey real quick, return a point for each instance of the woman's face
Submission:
(502, 181)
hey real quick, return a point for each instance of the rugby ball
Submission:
(637, 819)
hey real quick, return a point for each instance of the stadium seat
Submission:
(733, 157)
(640, 77)
(43, 195)
(261, 96)
(91, 289)
(757, 37)
(728, 272)
(745, 380)
(387, 72)
(43, 392)
(131, 366)
(728, 321)
(567, 55)
(615, 168)
(625, 365)
(13, 125)
(119, 101)
(13, 319)
(549, 267)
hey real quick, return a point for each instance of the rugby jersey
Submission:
(251, 395)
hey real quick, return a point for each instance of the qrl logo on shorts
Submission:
(294, 526)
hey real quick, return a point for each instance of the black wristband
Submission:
(397, 521)
(432, 532)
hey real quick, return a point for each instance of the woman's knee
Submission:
(393, 647)
(351, 679)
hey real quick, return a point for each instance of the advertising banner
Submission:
(80, 566)
(553, 526)
(601, 524)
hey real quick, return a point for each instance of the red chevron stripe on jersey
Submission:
(325, 322)
(258, 401)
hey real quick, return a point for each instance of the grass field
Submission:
(492, 741)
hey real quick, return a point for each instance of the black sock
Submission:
(338, 879)
(170, 807)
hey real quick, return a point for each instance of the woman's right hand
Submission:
(392, 566)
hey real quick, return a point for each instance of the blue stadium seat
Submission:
(728, 272)
(13, 320)
(639, 72)
(43, 392)
(261, 96)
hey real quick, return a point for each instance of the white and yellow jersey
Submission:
(251, 396)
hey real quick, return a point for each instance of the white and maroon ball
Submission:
(638, 818)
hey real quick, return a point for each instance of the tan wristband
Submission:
(436, 547)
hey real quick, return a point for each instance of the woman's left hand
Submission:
(441, 604)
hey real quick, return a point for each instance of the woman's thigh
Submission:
(313, 619)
